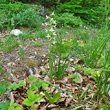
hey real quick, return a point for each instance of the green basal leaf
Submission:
(48, 96)
(56, 96)
(32, 78)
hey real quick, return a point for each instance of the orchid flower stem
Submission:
(50, 59)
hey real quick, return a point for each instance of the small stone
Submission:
(16, 32)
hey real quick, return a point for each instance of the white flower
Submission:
(46, 30)
(51, 29)
(54, 33)
(48, 36)
(54, 22)
(54, 42)
(46, 24)
(53, 13)
(35, 53)
(47, 17)
(54, 26)
(51, 19)
(42, 24)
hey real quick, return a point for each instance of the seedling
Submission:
(32, 78)
(14, 86)
(69, 76)
(55, 97)
(38, 84)
(76, 77)
(32, 98)
(38, 43)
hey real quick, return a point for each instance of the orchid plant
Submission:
(56, 48)
(51, 35)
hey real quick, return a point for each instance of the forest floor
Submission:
(15, 68)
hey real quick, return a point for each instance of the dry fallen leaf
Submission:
(44, 107)
(47, 79)
(11, 96)
(60, 81)
(61, 100)
(36, 106)
(52, 106)
(68, 100)
(70, 69)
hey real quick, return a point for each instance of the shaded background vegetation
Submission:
(91, 12)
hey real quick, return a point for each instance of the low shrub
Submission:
(67, 19)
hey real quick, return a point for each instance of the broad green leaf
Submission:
(38, 83)
(38, 97)
(31, 95)
(56, 96)
(13, 86)
(28, 102)
(4, 105)
(13, 108)
(12, 104)
(21, 83)
(33, 87)
(32, 108)
(44, 85)
(32, 78)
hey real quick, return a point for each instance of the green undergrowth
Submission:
(19, 14)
